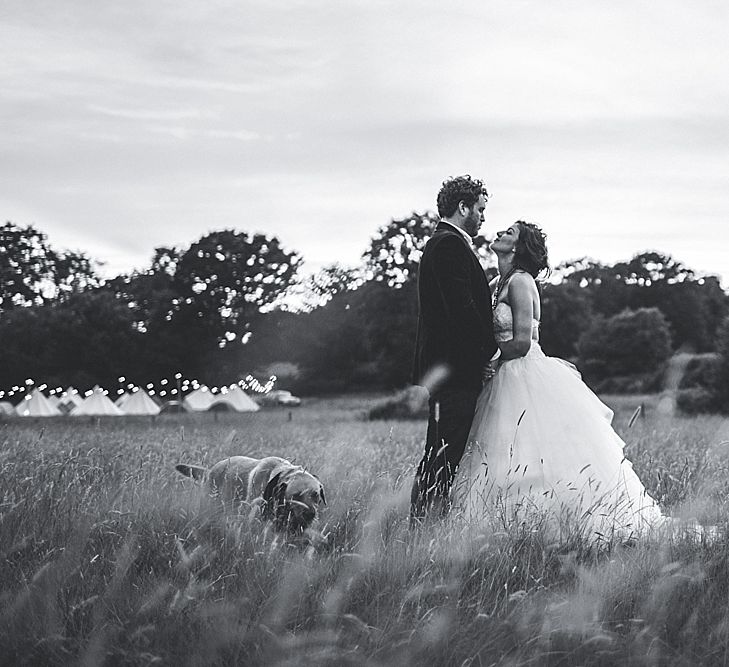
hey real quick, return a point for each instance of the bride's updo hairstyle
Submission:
(531, 249)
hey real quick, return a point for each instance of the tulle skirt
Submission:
(542, 449)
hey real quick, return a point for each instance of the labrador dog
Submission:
(275, 489)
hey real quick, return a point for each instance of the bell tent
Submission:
(96, 404)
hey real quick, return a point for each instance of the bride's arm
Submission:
(522, 311)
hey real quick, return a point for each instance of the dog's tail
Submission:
(196, 472)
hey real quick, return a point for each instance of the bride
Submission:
(541, 445)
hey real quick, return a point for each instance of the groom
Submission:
(455, 340)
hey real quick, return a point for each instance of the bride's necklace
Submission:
(500, 286)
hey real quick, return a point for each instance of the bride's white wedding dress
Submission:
(542, 446)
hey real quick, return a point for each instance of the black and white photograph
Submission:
(364, 333)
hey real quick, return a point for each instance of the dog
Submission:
(276, 489)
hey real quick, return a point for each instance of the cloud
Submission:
(141, 124)
(155, 114)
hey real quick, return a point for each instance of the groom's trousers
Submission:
(450, 417)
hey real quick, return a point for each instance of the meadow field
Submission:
(108, 556)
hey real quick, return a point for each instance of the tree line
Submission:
(234, 303)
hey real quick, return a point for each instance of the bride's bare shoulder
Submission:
(523, 280)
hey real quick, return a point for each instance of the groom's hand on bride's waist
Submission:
(489, 370)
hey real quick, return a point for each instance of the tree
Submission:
(693, 305)
(716, 307)
(173, 317)
(720, 378)
(684, 308)
(394, 252)
(566, 315)
(225, 279)
(191, 303)
(359, 339)
(86, 339)
(607, 292)
(584, 272)
(629, 343)
(389, 321)
(277, 337)
(150, 294)
(648, 268)
(318, 288)
(151, 297)
(33, 273)
(329, 345)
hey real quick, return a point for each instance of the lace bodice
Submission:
(504, 323)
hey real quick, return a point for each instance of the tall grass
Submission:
(108, 556)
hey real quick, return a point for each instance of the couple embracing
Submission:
(510, 430)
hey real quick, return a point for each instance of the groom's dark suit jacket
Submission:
(455, 326)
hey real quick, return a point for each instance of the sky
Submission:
(125, 126)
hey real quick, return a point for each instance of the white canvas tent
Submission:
(6, 409)
(119, 402)
(37, 405)
(98, 404)
(70, 399)
(236, 398)
(139, 403)
(199, 400)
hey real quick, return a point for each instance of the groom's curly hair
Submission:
(459, 189)
(530, 253)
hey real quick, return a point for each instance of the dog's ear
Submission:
(321, 488)
(270, 489)
(196, 472)
(273, 495)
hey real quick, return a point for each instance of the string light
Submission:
(249, 384)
